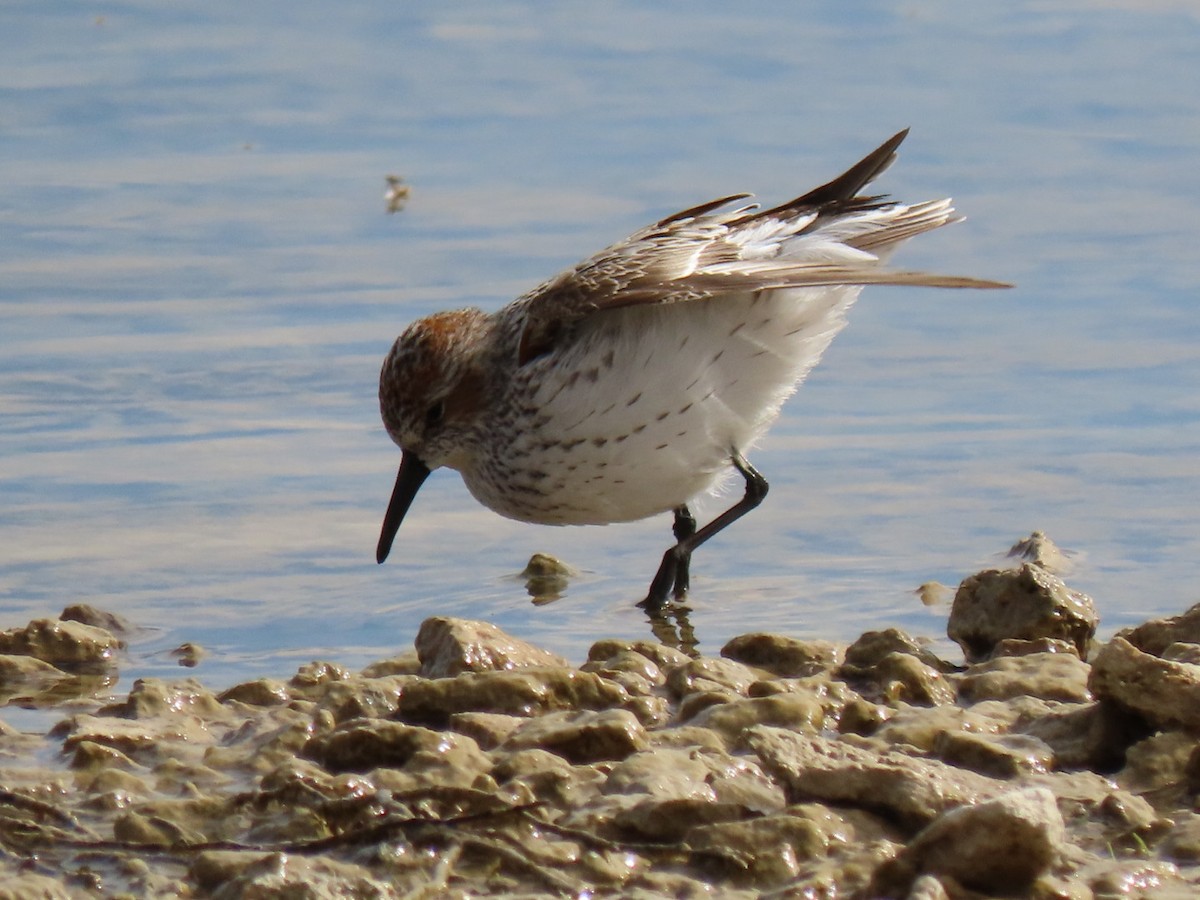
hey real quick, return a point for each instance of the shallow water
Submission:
(198, 280)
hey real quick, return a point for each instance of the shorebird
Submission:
(628, 385)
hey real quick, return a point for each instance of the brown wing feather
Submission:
(841, 194)
(672, 260)
(696, 211)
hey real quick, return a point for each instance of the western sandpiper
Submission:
(629, 384)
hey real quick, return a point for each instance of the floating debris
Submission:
(396, 194)
(189, 654)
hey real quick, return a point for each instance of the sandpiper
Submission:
(629, 384)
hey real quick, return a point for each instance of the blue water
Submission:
(198, 280)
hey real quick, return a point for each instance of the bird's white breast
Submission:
(642, 411)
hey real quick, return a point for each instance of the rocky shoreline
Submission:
(1045, 766)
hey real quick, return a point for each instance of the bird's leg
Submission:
(684, 528)
(673, 572)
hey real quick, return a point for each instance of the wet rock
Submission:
(998, 756)
(933, 593)
(1131, 814)
(661, 773)
(1159, 761)
(1182, 843)
(920, 728)
(260, 692)
(862, 717)
(635, 672)
(546, 577)
(1050, 676)
(225, 875)
(927, 887)
(1026, 603)
(404, 664)
(694, 775)
(707, 675)
(582, 737)
(686, 737)
(903, 677)
(214, 868)
(661, 794)
(890, 666)
(780, 655)
(311, 680)
(768, 851)
(1137, 878)
(848, 870)
(90, 755)
(191, 776)
(448, 647)
(450, 783)
(996, 846)
(1181, 651)
(1101, 815)
(155, 831)
(1191, 772)
(696, 703)
(363, 698)
(488, 730)
(1156, 635)
(903, 788)
(629, 662)
(664, 658)
(268, 737)
(741, 781)
(874, 646)
(525, 692)
(115, 788)
(1091, 735)
(1020, 647)
(648, 773)
(643, 701)
(366, 744)
(673, 819)
(29, 885)
(146, 736)
(152, 697)
(90, 615)
(1164, 692)
(731, 720)
(547, 777)
(66, 645)
(25, 675)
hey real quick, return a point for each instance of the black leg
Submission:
(684, 528)
(677, 560)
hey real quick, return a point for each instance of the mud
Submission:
(1045, 766)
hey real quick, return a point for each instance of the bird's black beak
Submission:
(412, 475)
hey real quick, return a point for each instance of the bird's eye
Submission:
(434, 414)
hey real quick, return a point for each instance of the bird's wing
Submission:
(828, 236)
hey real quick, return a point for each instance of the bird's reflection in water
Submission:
(546, 579)
(669, 623)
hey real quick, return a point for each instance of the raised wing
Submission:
(830, 235)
